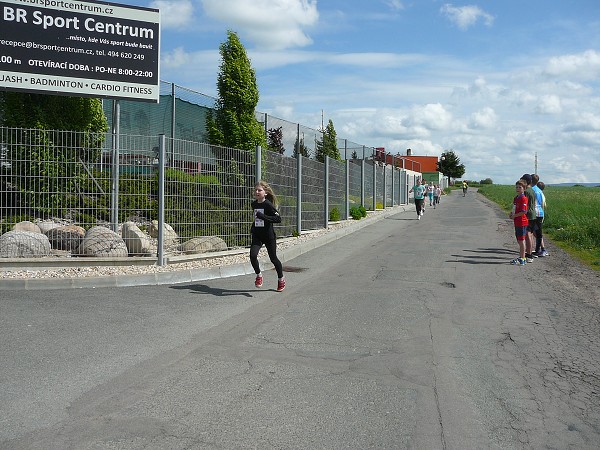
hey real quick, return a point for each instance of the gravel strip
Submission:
(238, 256)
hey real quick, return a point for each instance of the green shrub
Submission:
(334, 215)
(362, 210)
(355, 213)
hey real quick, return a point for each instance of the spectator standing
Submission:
(530, 194)
(519, 216)
(539, 187)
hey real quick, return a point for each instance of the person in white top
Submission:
(430, 189)
(437, 193)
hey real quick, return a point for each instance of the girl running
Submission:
(262, 231)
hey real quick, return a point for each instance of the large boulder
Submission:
(24, 244)
(102, 242)
(171, 240)
(26, 225)
(138, 243)
(203, 244)
(47, 225)
(67, 237)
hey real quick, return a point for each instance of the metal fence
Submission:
(181, 114)
(65, 183)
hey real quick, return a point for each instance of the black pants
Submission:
(419, 205)
(537, 232)
(271, 250)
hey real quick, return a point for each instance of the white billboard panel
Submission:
(81, 48)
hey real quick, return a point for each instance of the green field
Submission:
(572, 217)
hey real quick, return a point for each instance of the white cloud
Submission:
(269, 24)
(549, 104)
(485, 118)
(431, 117)
(584, 65)
(466, 16)
(174, 13)
(585, 122)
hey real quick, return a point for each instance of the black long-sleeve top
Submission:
(265, 215)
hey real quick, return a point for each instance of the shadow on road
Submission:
(483, 256)
(217, 292)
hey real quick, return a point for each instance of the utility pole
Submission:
(535, 167)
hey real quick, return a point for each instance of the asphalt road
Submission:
(404, 334)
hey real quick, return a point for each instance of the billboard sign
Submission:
(80, 48)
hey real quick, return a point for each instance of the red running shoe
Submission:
(281, 285)
(258, 281)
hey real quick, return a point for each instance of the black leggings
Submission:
(419, 205)
(271, 249)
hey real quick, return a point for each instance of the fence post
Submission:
(299, 195)
(347, 213)
(161, 201)
(173, 121)
(384, 183)
(266, 127)
(116, 131)
(392, 183)
(258, 165)
(374, 184)
(362, 181)
(326, 199)
(173, 111)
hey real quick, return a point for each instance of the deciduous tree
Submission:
(449, 165)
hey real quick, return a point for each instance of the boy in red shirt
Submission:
(519, 216)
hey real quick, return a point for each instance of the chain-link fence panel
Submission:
(337, 189)
(369, 175)
(389, 183)
(281, 173)
(380, 184)
(313, 194)
(63, 184)
(208, 191)
(355, 184)
(185, 119)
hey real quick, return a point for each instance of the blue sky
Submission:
(496, 81)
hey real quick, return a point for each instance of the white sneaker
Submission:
(418, 217)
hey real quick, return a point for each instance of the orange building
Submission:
(420, 164)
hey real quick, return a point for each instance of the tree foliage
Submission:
(233, 123)
(449, 165)
(52, 112)
(275, 140)
(61, 136)
(327, 146)
(300, 148)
